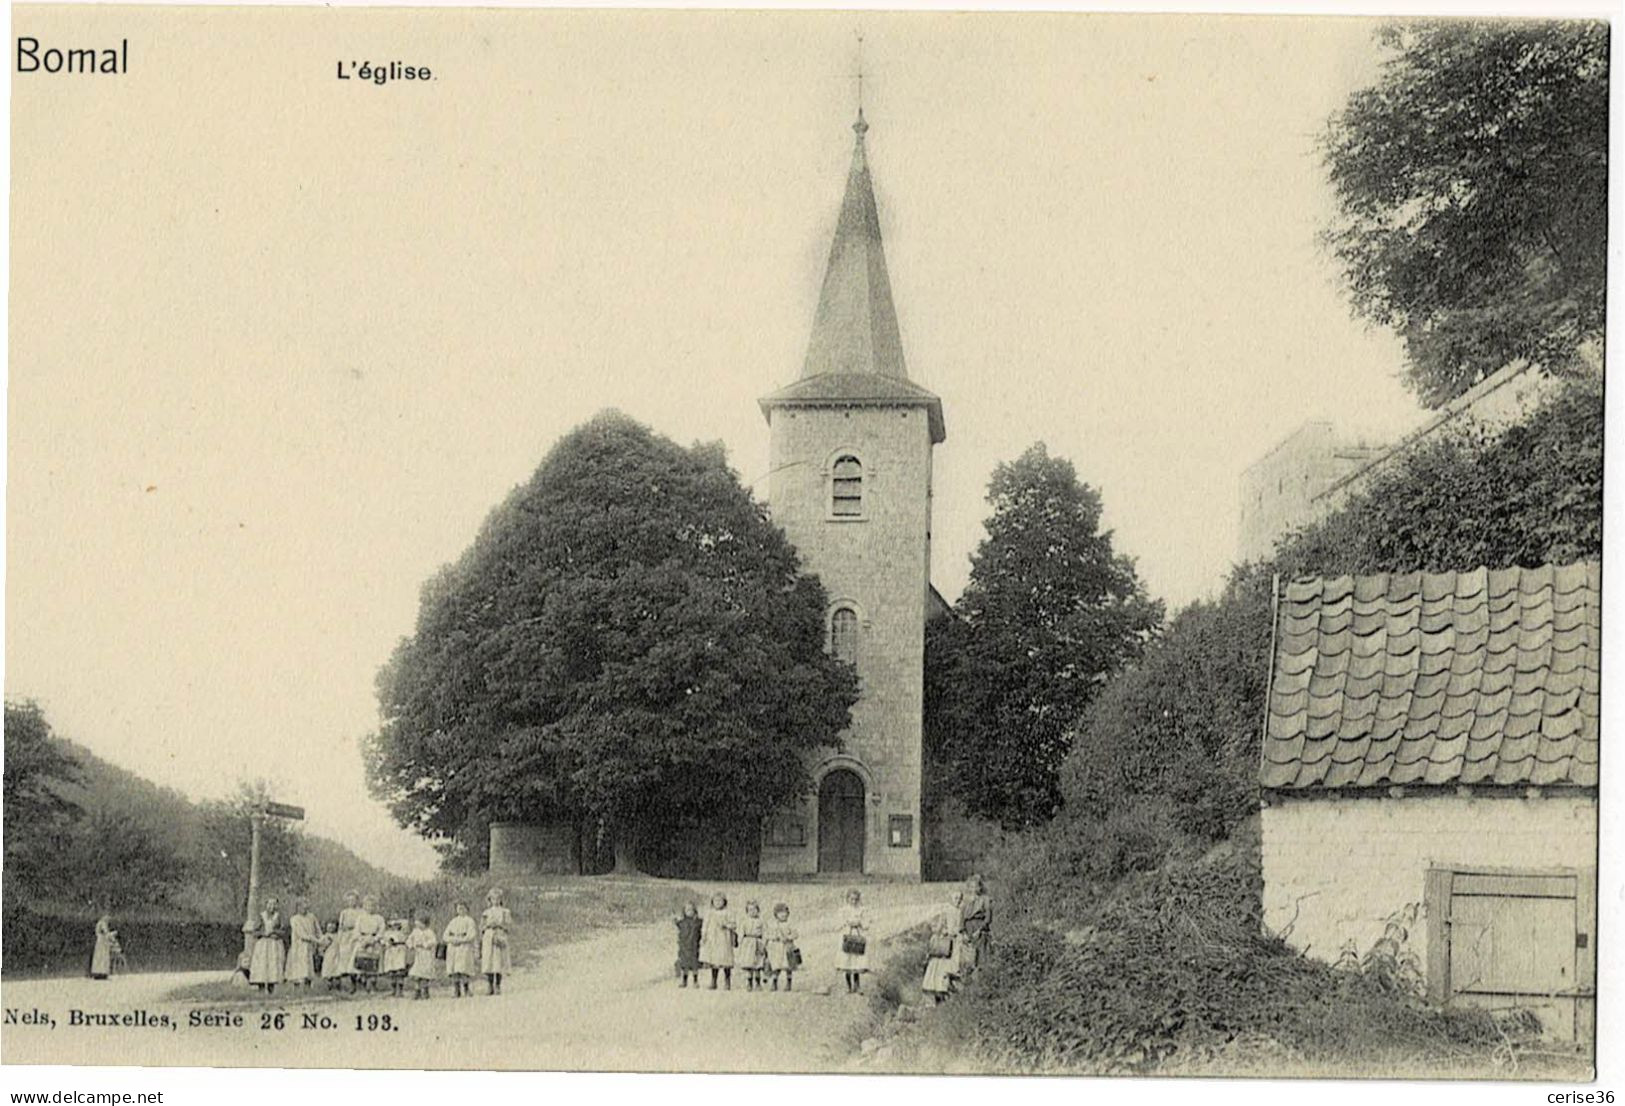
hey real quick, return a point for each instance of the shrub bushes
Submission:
(1056, 874)
(1175, 968)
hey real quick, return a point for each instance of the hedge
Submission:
(38, 943)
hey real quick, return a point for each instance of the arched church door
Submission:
(840, 822)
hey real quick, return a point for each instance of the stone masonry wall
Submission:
(880, 563)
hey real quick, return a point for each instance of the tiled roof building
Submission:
(1429, 777)
(1480, 677)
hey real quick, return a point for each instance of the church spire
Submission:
(855, 329)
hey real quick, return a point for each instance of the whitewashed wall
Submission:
(1336, 869)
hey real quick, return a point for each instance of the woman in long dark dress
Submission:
(978, 922)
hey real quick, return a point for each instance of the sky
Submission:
(280, 342)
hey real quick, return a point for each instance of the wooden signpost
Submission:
(257, 818)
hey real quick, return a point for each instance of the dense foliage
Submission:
(1121, 948)
(1526, 495)
(1183, 724)
(1049, 614)
(1471, 183)
(37, 772)
(227, 837)
(1173, 970)
(86, 836)
(629, 640)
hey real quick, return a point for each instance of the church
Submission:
(850, 445)
(850, 461)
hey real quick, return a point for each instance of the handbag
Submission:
(793, 958)
(942, 946)
(853, 944)
(366, 960)
(440, 950)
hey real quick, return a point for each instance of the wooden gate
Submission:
(1506, 939)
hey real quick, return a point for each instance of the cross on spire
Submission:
(860, 126)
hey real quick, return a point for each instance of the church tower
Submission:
(850, 483)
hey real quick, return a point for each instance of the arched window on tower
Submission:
(843, 635)
(846, 487)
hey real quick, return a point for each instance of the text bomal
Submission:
(31, 58)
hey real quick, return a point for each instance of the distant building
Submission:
(1315, 469)
(1278, 491)
(1429, 782)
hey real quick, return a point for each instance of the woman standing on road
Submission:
(854, 956)
(718, 935)
(101, 955)
(495, 958)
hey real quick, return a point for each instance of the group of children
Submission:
(360, 949)
(765, 952)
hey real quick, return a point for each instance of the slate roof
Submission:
(1485, 677)
(855, 328)
(855, 352)
(859, 390)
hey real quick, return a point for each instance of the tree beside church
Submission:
(628, 647)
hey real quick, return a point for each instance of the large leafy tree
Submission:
(113, 860)
(227, 840)
(1471, 183)
(629, 641)
(38, 771)
(1051, 611)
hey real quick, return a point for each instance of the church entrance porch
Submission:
(841, 822)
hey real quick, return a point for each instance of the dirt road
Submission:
(606, 1003)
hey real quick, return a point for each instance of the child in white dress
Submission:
(462, 949)
(751, 955)
(718, 935)
(783, 957)
(495, 958)
(396, 956)
(266, 963)
(332, 955)
(853, 959)
(366, 961)
(421, 943)
(345, 964)
(947, 939)
(303, 935)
